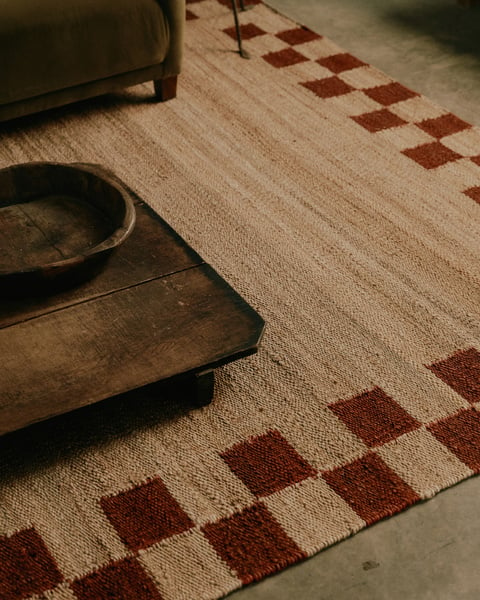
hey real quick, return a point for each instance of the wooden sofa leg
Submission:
(165, 89)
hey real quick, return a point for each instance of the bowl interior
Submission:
(52, 215)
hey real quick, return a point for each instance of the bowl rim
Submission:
(119, 235)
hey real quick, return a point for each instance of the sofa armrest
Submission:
(175, 11)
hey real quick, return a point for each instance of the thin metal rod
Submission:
(241, 51)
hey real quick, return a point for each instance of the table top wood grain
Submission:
(156, 311)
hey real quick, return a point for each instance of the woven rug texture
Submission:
(344, 207)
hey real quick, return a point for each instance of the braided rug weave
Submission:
(345, 208)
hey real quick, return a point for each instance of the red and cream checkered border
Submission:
(424, 133)
(397, 457)
(400, 456)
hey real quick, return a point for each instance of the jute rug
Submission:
(344, 207)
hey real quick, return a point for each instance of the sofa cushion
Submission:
(56, 44)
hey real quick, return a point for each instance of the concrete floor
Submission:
(431, 551)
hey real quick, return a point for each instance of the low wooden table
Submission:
(156, 312)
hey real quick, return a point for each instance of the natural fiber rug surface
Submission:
(344, 207)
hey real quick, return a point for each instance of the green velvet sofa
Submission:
(53, 52)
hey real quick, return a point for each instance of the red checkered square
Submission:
(26, 566)
(443, 125)
(123, 580)
(267, 464)
(379, 120)
(253, 543)
(473, 193)
(461, 371)
(460, 433)
(338, 63)
(284, 58)
(390, 93)
(431, 156)
(330, 87)
(247, 31)
(298, 35)
(374, 417)
(371, 488)
(146, 514)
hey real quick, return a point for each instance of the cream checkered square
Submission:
(357, 104)
(353, 103)
(312, 50)
(364, 77)
(461, 174)
(265, 44)
(423, 462)
(210, 491)
(466, 143)
(417, 109)
(316, 503)
(201, 486)
(446, 401)
(407, 136)
(324, 448)
(186, 567)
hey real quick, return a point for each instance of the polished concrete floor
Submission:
(431, 551)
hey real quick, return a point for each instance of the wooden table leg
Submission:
(203, 385)
(194, 390)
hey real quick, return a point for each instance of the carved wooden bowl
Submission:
(59, 223)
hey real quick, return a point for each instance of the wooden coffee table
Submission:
(156, 312)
